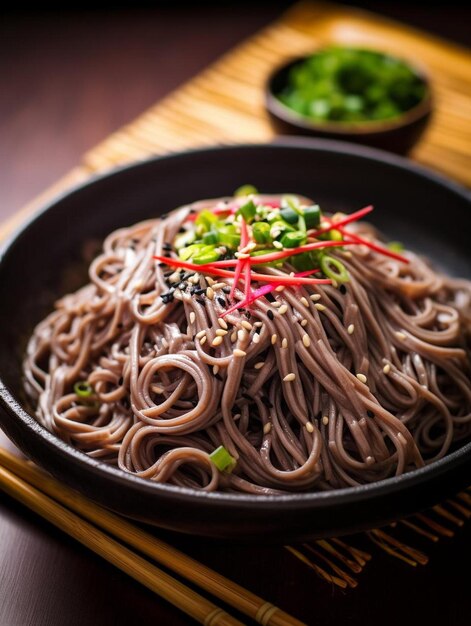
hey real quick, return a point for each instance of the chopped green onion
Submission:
(312, 216)
(247, 211)
(228, 236)
(304, 261)
(333, 268)
(211, 237)
(289, 215)
(205, 221)
(223, 460)
(245, 190)
(396, 246)
(261, 232)
(293, 239)
(291, 202)
(189, 251)
(184, 239)
(83, 389)
(207, 255)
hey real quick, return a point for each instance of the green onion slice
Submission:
(223, 460)
(245, 190)
(294, 239)
(396, 246)
(261, 232)
(334, 269)
(247, 211)
(83, 389)
(312, 216)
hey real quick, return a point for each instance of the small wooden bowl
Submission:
(396, 135)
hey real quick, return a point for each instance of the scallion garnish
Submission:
(333, 268)
(293, 239)
(396, 246)
(223, 460)
(83, 389)
(289, 215)
(245, 190)
(312, 216)
(261, 232)
(247, 211)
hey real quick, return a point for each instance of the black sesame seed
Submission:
(343, 289)
(270, 314)
(192, 211)
(167, 246)
(226, 290)
(198, 291)
(182, 230)
(248, 314)
(162, 264)
(200, 301)
(120, 382)
(221, 301)
(218, 376)
(370, 413)
(120, 325)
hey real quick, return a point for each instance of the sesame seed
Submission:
(217, 286)
(400, 335)
(270, 314)
(240, 353)
(350, 329)
(258, 324)
(246, 325)
(222, 323)
(192, 317)
(217, 340)
(282, 310)
(280, 288)
(221, 332)
(276, 304)
(306, 341)
(320, 307)
(387, 368)
(274, 337)
(203, 340)
(174, 277)
(210, 281)
(309, 427)
(256, 338)
(343, 289)
(325, 420)
(242, 255)
(266, 428)
(289, 378)
(362, 378)
(304, 322)
(315, 297)
(178, 294)
(284, 343)
(194, 279)
(234, 336)
(200, 334)
(237, 417)
(241, 334)
(215, 369)
(259, 365)
(210, 293)
(347, 253)
(278, 244)
(304, 301)
(157, 389)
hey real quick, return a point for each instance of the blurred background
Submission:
(72, 76)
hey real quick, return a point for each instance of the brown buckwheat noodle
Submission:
(380, 365)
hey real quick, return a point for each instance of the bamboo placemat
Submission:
(225, 103)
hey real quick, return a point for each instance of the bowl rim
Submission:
(358, 129)
(219, 499)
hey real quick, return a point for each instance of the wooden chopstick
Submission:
(221, 587)
(155, 579)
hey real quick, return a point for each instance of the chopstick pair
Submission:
(82, 519)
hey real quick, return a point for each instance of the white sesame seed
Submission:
(284, 343)
(315, 297)
(400, 335)
(203, 340)
(237, 417)
(241, 334)
(256, 338)
(320, 307)
(266, 428)
(194, 279)
(217, 341)
(234, 336)
(258, 324)
(350, 329)
(276, 305)
(157, 389)
(306, 341)
(309, 427)
(246, 325)
(274, 337)
(220, 332)
(304, 301)
(282, 310)
(217, 286)
(347, 253)
(175, 277)
(222, 323)
(280, 288)
(325, 420)
(242, 255)
(210, 281)
(215, 369)
(304, 322)
(177, 294)
(259, 365)
(200, 334)
(289, 378)
(387, 368)
(192, 317)
(240, 353)
(362, 378)
(210, 293)
(278, 244)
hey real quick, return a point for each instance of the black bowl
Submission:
(413, 205)
(396, 135)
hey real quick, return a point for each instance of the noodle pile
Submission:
(311, 388)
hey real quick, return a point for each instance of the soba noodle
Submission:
(314, 387)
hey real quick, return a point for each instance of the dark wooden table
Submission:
(68, 80)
